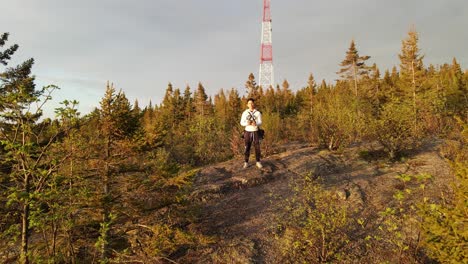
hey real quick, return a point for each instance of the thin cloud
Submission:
(143, 45)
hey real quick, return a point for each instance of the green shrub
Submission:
(334, 123)
(315, 227)
(396, 128)
(445, 224)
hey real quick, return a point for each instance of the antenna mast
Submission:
(266, 58)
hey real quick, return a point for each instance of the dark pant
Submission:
(249, 138)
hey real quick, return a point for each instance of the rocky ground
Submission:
(238, 206)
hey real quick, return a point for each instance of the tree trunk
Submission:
(24, 258)
(71, 251)
(54, 237)
(106, 193)
(414, 93)
(355, 79)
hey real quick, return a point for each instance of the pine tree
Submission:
(168, 96)
(65, 196)
(167, 108)
(136, 109)
(431, 71)
(269, 103)
(150, 105)
(154, 132)
(5, 55)
(306, 98)
(109, 132)
(188, 107)
(234, 108)
(311, 85)
(395, 75)
(170, 113)
(309, 93)
(457, 92)
(26, 144)
(353, 66)
(178, 103)
(252, 87)
(387, 88)
(373, 87)
(116, 129)
(200, 101)
(221, 109)
(411, 66)
(287, 102)
(323, 86)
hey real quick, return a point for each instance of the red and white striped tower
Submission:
(266, 58)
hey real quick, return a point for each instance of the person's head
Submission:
(251, 103)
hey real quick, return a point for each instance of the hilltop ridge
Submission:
(239, 206)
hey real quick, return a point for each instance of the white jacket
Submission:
(246, 117)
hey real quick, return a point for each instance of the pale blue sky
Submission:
(141, 45)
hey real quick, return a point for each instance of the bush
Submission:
(273, 126)
(316, 225)
(334, 123)
(445, 224)
(396, 128)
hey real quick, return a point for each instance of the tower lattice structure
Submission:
(266, 57)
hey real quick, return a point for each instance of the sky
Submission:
(142, 45)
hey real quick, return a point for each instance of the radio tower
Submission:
(266, 59)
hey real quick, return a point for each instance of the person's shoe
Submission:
(259, 165)
(245, 165)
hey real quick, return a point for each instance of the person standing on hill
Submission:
(251, 119)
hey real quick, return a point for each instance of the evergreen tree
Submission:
(252, 87)
(431, 71)
(395, 75)
(168, 113)
(221, 109)
(5, 55)
(234, 108)
(269, 102)
(323, 86)
(387, 88)
(150, 105)
(311, 85)
(411, 66)
(26, 144)
(188, 103)
(456, 90)
(168, 96)
(353, 66)
(178, 102)
(116, 129)
(167, 108)
(153, 128)
(136, 109)
(306, 98)
(200, 101)
(66, 195)
(387, 79)
(372, 87)
(287, 103)
(308, 93)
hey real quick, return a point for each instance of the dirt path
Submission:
(239, 205)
